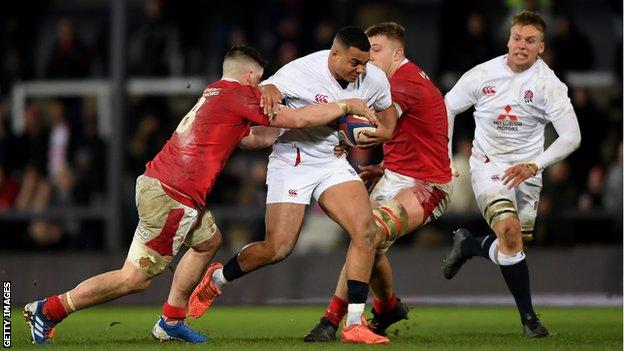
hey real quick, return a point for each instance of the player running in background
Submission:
(171, 195)
(302, 165)
(515, 96)
(415, 183)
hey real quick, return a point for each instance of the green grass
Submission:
(282, 328)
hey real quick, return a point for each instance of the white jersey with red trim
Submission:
(307, 81)
(511, 109)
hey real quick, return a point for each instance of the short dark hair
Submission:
(240, 51)
(528, 18)
(353, 37)
(391, 30)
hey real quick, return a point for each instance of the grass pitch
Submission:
(282, 328)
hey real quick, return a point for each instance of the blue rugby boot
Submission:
(41, 328)
(179, 331)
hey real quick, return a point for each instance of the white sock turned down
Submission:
(218, 279)
(354, 313)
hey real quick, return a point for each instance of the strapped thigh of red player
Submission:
(392, 216)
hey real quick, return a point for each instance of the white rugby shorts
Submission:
(295, 177)
(488, 186)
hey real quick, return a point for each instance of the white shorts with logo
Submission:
(488, 187)
(294, 177)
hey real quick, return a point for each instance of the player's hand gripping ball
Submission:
(351, 128)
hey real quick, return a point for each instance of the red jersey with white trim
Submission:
(205, 138)
(419, 146)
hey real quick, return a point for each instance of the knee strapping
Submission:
(527, 231)
(498, 210)
(392, 218)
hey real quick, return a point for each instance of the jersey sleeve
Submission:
(463, 94)
(557, 104)
(569, 139)
(246, 105)
(286, 79)
(406, 95)
(382, 95)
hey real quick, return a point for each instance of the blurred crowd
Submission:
(59, 160)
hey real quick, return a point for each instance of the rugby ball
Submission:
(350, 128)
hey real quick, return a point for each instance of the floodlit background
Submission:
(91, 90)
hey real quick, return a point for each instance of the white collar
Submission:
(530, 69)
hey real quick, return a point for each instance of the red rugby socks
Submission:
(384, 306)
(336, 310)
(53, 308)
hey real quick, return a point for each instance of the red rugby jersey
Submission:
(205, 138)
(419, 146)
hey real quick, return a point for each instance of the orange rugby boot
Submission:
(361, 334)
(204, 294)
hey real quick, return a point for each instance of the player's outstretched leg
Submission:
(171, 324)
(283, 224)
(43, 315)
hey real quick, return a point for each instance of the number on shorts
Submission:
(186, 122)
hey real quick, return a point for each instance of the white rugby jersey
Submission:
(511, 109)
(307, 81)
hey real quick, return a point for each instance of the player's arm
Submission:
(259, 137)
(386, 112)
(371, 172)
(283, 84)
(569, 140)
(387, 122)
(315, 115)
(450, 115)
(461, 97)
(560, 112)
(270, 99)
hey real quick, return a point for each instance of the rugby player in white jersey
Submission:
(514, 96)
(413, 186)
(302, 165)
